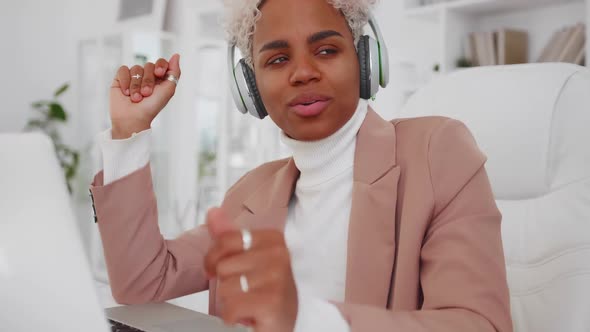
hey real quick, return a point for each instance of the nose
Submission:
(305, 71)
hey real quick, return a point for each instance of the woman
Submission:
(371, 226)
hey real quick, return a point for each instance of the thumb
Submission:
(218, 223)
(174, 65)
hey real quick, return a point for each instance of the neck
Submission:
(321, 160)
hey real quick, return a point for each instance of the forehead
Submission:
(285, 18)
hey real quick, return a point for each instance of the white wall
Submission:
(36, 54)
(39, 40)
(407, 41)
(39, 46)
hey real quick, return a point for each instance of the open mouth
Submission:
(310, 109)
(309, 104)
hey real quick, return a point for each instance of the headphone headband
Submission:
(383, 52)
(233, 82)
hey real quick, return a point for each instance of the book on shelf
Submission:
(470, 49)
(574, 44)
(479, 56)
(501, 47)
(512, 46)
(581, 57)
(491, 47)
(558, 44)
(566, 45)
(483, 46)
(547, 49)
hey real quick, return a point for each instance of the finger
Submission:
(174, 65)
(166, 89)
(217, 222)
(257, 260)
(161, 67)
(135, 86)
(246, 307)
(147, 82)
(256, 280)
(122, 80)
(230, 244)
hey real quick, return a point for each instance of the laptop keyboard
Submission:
(120, 327)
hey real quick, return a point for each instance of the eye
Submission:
(327, 51)
(278, 60)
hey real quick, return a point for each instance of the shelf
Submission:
(481, 7)
(428, 13)
(491, 7)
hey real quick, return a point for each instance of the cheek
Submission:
(272, 88)
(345, 78)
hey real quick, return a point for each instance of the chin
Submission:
(312, 130)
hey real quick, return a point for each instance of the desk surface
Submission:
(197, 302)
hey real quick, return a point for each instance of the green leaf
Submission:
(35, 124)
(62, 89)
(76, 156)
(40, 104)
(70, 172)
(57, 112)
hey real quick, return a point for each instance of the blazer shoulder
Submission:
(429, 129)
(449, 155)
(414, 136)
(424, 125)
(253, 179)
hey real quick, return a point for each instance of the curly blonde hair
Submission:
(241, 17)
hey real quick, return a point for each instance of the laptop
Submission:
(45, 278)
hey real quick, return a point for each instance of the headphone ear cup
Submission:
(363, 51)
(259, 110)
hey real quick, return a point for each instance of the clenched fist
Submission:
(138, 95)
(269, 302)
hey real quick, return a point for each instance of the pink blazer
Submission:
(424, 250)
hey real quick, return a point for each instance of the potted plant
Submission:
(50, 114)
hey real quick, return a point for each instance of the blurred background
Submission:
(59, 58)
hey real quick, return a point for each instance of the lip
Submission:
(317, 106)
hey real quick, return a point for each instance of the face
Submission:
(306, 67)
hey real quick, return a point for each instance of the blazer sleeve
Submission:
(462, 274)
(142, 266)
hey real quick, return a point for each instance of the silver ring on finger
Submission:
(244, 284)
(136, 76)
(246, 239)
(172, 79)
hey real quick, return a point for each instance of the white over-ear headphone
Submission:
(373, 60)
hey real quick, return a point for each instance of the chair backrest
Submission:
(533, 123)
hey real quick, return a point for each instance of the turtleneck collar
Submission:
(319, 161)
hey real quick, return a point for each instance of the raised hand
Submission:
(137, 95)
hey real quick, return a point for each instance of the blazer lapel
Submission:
(267, 207)
(371, 239)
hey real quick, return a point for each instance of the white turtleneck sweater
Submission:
(316, 230)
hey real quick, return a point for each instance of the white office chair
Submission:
(533, 123)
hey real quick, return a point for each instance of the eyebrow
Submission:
(316, 37)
